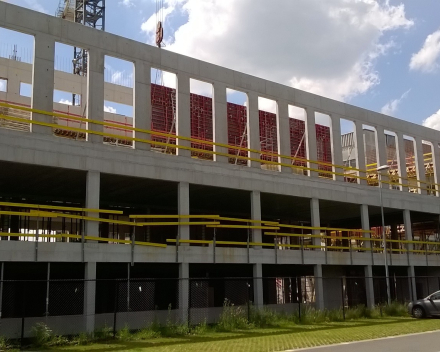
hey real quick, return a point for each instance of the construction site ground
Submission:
(282, 338)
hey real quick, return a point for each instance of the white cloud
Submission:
(65, 101)
(392, 106)
(433, 121)
(428, 57)
(35, 5)
(326, 47)
(109, 109)
(128, 3)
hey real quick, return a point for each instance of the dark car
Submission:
(426, 307)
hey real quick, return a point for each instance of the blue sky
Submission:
(364, 52)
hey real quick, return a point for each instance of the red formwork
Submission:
(298, 141)
(324, 149)
(268, 135)
(163, 111)
(237, 132)
(201, 125)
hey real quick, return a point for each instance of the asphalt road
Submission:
(423, 342)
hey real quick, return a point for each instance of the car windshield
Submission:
(435, 295)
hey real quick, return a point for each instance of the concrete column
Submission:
(365, 220)
(369, 286)
(360, 150)
(402, 161)
(258, 285)
(336, 146)
(311, 141)
(183, 291)
(142, 102)
(95, 93)
(220, 123)
(381, 149)
(283, 126)
(319, 287)
(43, 81)
(316, 221)
(89, 296)
(408, 228)
(253, 127)
(13, 89)
(420, 164)
(183, 121)
(412, 283)
(256, 215)
(436, 160)
(92, 201)
(183, 204)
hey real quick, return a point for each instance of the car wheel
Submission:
(418, 312)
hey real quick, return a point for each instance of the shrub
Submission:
(395, 309)
(232, 317)
(42, 335)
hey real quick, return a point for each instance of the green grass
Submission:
(287, 335)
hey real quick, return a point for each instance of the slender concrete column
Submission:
(360, 150)
(436, 160)
(220, 116)
(92, 201)
(253, 126)
(369, 286)
(412, 283)
(365, 220)
(258, 285)
(283, 126)
(89, 296)
(381, 149)
(316, 221)
(408, 228)
(337, 146)
(311, 141)
(420, 162)
(402, 161)
(95, 93)
(43, 81)
(142, 102)
(183, 204)
(13, 89)
(183, 121)
(256, 215)
(319, 287)
(184, 288)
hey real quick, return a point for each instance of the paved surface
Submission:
(423, 342)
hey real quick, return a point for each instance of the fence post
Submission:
(116, 307)
(343, 297)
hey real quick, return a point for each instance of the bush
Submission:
(358, 312)
(395, 309)
(42, 335)
(232, 317)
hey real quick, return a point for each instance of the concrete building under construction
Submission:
(195, 198)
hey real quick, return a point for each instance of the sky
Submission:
(380, 55)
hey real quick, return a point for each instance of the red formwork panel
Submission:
(201, 125)
(237, 132)
(298, 141)
(268, 135)
(323, 149)
(163, 110)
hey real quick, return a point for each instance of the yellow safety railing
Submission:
(194, 140)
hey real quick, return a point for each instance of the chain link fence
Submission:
(70, 307)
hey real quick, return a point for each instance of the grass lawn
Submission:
(288, 336)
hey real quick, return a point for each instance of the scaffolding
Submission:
(237, 132)
(268, 139)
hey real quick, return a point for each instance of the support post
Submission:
(92, 201)
(420, 162)
(336, 146)
(43, 81)
(365, 220)
(369, 285)
(258, 285)
(319, 287)
(95, 93)
(183, 120)
(220, 117)
(360, 150)
(316, 221)
(184, 304)
(283, 126)
(142, 102)
(89, 296)
(381, 150)
(312, 153)
(402, 161)
(408, 232)
(256, 215)
(412, 283)
(436, 161)
(183, 204)
(253, 128)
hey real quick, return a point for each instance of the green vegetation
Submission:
(241, 330)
